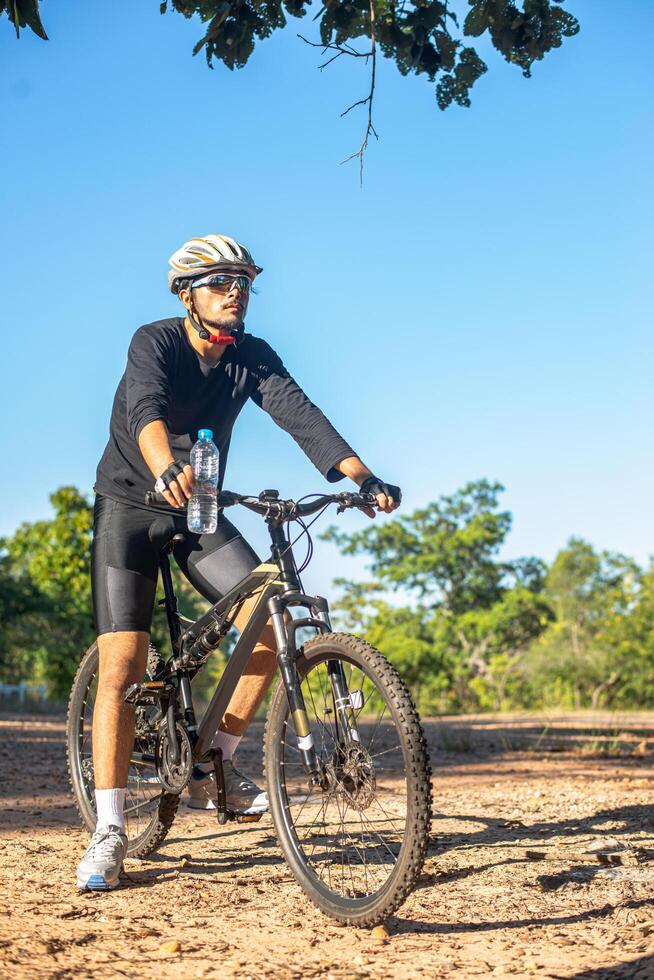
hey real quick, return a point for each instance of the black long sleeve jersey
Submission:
(166, 379)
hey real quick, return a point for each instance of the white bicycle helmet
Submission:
(199, 256)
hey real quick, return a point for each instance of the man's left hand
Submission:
(388, 495)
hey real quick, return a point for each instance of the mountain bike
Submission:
(345, 758)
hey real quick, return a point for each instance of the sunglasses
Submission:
(223, 283)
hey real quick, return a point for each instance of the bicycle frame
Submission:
(277, 588)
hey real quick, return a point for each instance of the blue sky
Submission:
(482, 307)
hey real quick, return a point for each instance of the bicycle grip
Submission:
(154, 499)
(225, 498)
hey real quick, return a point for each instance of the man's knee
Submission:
(123, 660)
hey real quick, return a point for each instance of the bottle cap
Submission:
(205, 434)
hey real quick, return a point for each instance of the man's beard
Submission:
(232, 321)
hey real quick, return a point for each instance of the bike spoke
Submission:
(351, 833)
(139, 806)
(394, 748)
(381, 715)
(143, 792)
(323, 728)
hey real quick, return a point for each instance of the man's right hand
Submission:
(176, 484)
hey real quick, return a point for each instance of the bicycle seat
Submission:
(164, 534)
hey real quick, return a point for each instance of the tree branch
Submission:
(338, 48)
(602, 688)
(370, 129)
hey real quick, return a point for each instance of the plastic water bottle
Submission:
(202, 507)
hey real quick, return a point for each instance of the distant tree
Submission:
(51, 560)
(22, 608)
(629, 636)
(45, 596)
(592, 594)
(466, 629)
(422, 37)
(461, 643)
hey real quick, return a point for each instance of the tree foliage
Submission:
(46, 563)
(45, 596)
(476, 614)
(595, 597)
(421, 37)
(484, 633)
(435, 38)
(447, 551)
(24, 13)
(468, 629)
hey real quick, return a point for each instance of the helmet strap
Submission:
(202, 330)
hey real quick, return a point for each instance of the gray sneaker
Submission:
(243, 796)
(103, 861)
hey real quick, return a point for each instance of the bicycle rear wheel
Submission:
(356, 846)
(149, 811)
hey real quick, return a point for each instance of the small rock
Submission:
(605, 845)
(171, 946)
(380, 934)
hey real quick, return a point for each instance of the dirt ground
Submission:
(509, 889)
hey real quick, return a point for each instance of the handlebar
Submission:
(272, 508)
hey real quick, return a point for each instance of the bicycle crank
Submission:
(173, 762)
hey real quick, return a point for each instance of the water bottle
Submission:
(202, 507)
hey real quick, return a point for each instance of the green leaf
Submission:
(25, 13)
(477, 20)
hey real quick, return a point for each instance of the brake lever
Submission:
(348, 500)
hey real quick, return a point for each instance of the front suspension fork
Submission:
(286, 658)
(343, 707)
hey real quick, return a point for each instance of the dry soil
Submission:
(510, 887)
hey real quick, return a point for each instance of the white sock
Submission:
(110, 804)
(228, 743)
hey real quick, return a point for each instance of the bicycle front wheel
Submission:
(356, 845)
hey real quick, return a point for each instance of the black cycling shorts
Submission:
(127, 543)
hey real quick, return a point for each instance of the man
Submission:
(184, 374)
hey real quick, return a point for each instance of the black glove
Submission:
(169, 475)
(375, 486)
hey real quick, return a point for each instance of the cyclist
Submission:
(184, 374)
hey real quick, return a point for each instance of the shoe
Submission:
(243, 796)
(103, 861)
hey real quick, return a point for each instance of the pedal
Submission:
(132, 693)
(249, 817)
(147, 691)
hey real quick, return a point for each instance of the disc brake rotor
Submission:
(355, 777)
